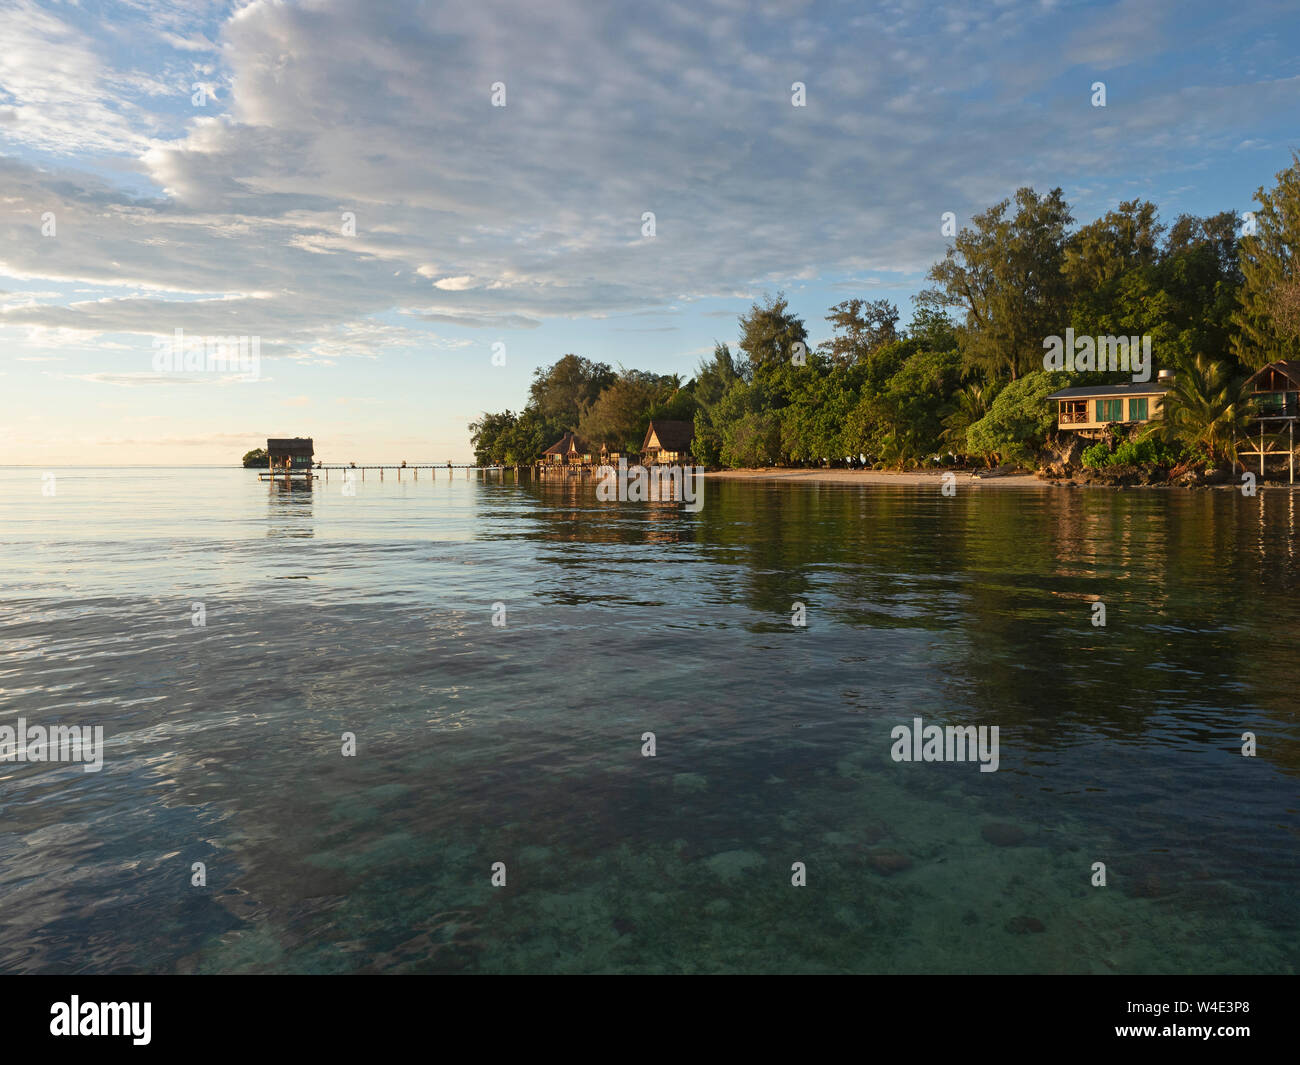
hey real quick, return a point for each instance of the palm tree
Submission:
(1207, 407)
(972, 403)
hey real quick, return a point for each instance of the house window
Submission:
(1074, 411)
(1108, 410)
(1270, 403)
(1137, 409)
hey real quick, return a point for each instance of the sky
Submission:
(339, 182)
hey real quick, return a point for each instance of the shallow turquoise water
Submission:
(522, 744)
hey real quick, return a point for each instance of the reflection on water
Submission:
(289, 510)
(522, 744)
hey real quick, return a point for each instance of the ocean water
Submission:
(372, 614)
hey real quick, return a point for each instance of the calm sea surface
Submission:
(476, 744)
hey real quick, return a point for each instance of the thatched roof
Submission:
(290, 445)
(568, 444)
(672, 436)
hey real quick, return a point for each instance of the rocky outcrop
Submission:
(1060, 457)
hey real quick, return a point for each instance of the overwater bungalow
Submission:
(668, 442)
(1090, 409)
(609, 455)
(569, 450)
(1270, 433)
(290, 455)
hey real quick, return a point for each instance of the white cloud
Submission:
(456, 284)
(482, 217)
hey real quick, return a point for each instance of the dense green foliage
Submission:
(1147, 451)
(254, 458)
(1207, 409)
(964, 380)
(1269, 320)
(1020, 418)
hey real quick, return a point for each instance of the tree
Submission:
(969, 405)
(1005, 274)
(1120, 240)
(753, 440)
(621, 413)
(1207, 408)
(714, 378)
(1181, 294)
(1020, 418)
(903, 423)
(769, 333)
(524, 442)
(930, 325)
(1269, 266)
(821, 397)
(861, 326)
(561, 392)
(1286, 311)
(488, 437)
(748, 426)
(256, 457)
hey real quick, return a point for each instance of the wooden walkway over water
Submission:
(450, 469)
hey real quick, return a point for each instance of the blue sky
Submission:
(522, 225)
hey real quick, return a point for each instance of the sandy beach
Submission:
(890, 477)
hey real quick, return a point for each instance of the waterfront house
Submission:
(569, 450)
(609, 456)
(1275, 400)
(289, 454)
(668, 442)
(1089, 409)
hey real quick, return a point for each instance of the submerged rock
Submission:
(888, 862)
(1023, 925)
(731, 864)
(874, 831)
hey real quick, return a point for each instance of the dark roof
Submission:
(569, 442)
(673, 436)
(1289, 367)
(1145, 389)
(290, 445)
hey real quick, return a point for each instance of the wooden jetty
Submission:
(323, 471)
(293, 458)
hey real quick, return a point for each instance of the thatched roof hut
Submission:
(668, 441)
(290, 452)
(569, 448)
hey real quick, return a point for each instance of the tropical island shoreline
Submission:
(965, 478)
(1124, 352)
(933, 477)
